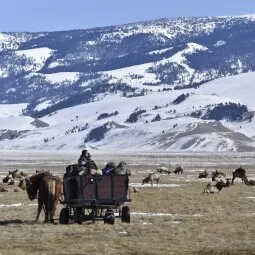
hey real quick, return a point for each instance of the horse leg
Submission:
(39, 209)
(46, 219)
(52, 211)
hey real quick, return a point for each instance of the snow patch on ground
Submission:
(16, 205)
(10, 205)
(139, 185)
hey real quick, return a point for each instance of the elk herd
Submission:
(219, 179)
(14, 180)
(42, 184)
(156, 176)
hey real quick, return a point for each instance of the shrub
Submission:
(97, 133)
(106, 115)
(230, 111)
(133, 117)
(157, 118)
(180, 98)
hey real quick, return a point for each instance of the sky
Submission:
(53, 15)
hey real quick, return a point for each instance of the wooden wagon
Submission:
(95, 198)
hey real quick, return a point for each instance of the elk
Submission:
(152, 177)
(240, 173)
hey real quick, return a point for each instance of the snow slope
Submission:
(176, 131)
(38, 56)
(138, 75)
(9, 110)
(240, 87)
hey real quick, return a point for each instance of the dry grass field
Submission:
(166, 219)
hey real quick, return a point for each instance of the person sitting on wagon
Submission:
(83, 158)
(91, 167)
(109, 168)
(122, 169)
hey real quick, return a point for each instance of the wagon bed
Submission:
(95, 197)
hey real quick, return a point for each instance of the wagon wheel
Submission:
(109, 217)
(125, 214)
(78, 215)
(64, 216)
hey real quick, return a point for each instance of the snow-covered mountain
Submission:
(169, 84)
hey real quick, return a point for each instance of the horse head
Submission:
(32, 184)
(31, 188)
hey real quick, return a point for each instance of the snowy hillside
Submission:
(67, 68)
(10, 110)
(37, 57)
(103, 124)
(168, 84)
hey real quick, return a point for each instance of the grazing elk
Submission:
(163, 169)
(214, 187)
(7, 179)
(217, 174)
(23, 174)
(204, 174)
(11, 182)
(22, 184)
(248, 182)
(240, 173)
(227, 183)
(152, 177)
(48, 189)
(178, 170)
(12, 175)
(15, 174)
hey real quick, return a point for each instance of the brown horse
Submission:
(48, 189)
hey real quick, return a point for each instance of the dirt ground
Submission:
(171, 218)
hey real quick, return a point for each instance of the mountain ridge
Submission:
(178, 58)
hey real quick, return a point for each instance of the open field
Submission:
(172, 218)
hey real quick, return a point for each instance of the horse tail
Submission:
(51, 197)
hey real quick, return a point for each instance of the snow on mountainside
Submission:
(10, 110)
(141, 75)
(12, 41)
(37, 56)
(177, 129)
(240, 86)
(167, 84)
(57, 78)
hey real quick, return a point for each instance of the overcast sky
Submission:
(52, 15)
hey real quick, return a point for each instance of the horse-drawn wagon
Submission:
(95, 198)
